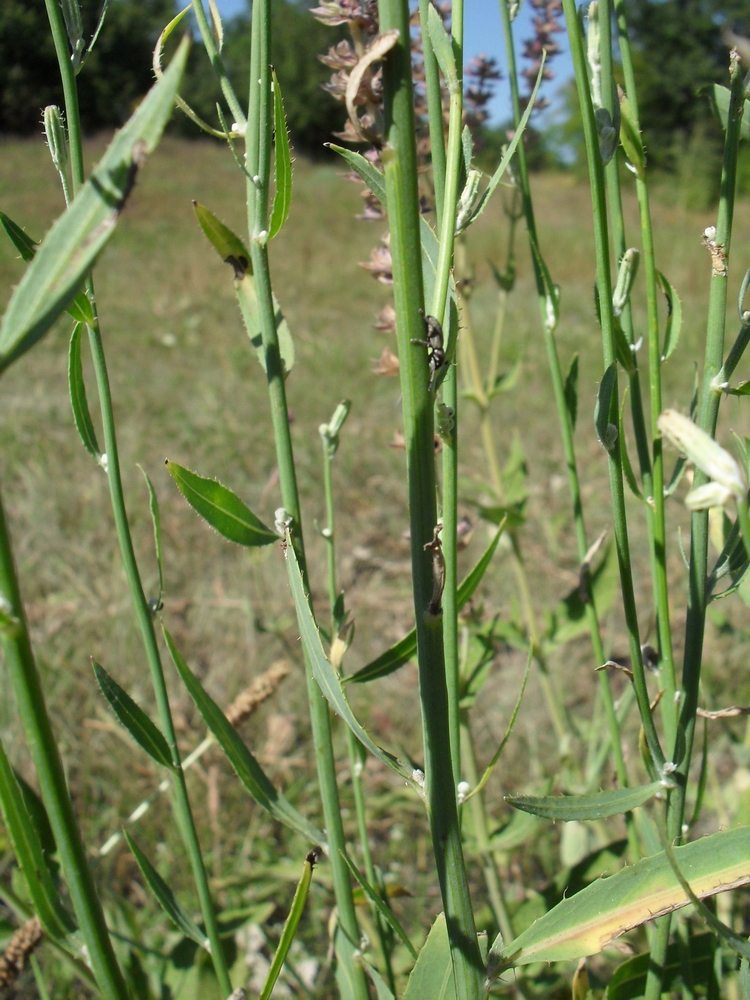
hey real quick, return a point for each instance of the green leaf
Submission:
(20, 240)
(720, 99)
(78, 400)
(229, 247)
(628, 981)
(71, 247)
(221, 508)
(141, 728)
(605, 431)
(406, 648)
(30, 855)
(382, 990)
(283, 163)
(385, 911)
(622, 348)
(443, 49)
(585, 923)
(581, 807)
(569, 618)
(432, 976)
(153, 502)
(510, 151)
(571, 391)
(630, 137)
(627, 468)
(291, 924)
(328, 680)
(247, 299)
(247, 768)
(674, 316)
(166, 898)
(507, 381)
(467, 149)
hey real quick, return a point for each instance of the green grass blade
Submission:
(432, 976)
(153, 503)
(406, 648)
(674, 316)
(247, 768)
(166, 898)
(585, 923)
(30, 855)
(382, 990)
(223, 510)
(327, 678)
(72, 245)
(581, 807)
(283, 163)
(291, 924)
(78, 399)
(141, 728)
(385, 911)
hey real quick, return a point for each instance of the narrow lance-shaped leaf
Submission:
(30, 856)
(246, 767)
(630, 136)
(584, 807)
(720, 97)
(223, 510)
(78, 400)
(432, 976)
(141, 728)
(571, 391)
(153, 502)
(282, 199)
(72, 245)
(385, 911)
(626, 464)
(406, 648)
(327, 678)
(605, 431)
(585, 923)
(291, 924)
(674, 316)
(166, 898)
(443, 48)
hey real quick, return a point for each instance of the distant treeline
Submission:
(118, 71)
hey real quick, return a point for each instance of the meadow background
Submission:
(187, 387)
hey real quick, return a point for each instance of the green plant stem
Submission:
(708, 413)
(32, 710)
(481, 832)
(563, 416)
(400, 169)
(604, 284)
(142, 611)
(217, 64)
(653, 482)
(434, 110)
(258, 156)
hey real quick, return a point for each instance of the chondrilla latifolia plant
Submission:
(633, 803)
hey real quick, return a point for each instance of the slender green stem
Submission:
(217, 63)
(604, 284)
(142, 611)
(32, 710)
(258, 154)
(400, 168)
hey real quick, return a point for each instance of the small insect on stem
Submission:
(438, 571)
(433, 341)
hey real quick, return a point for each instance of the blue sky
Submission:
(484, 34)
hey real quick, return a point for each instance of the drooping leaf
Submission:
(247, 768)
(720, 96)
(674, 316)
(282, 199)
(166, 898)
(606, 431)
(223, 510)
(71, 247)
(585, 807)
(571, 391)
(628, 981)
(290, 924)
(30, 855)
(432, 975)
(20, 240)
(229, 247)
(585, 923)
(327, 678)
(406, 648)
(442, 47)
(145, 733)
(78, 399)
(385, 911)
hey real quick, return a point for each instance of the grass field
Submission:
(187, 386)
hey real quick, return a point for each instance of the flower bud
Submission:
(707, 496)
(54, 131)
(703, 451)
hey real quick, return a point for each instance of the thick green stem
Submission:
(400, 168)
(258, 156)
(32, 711)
